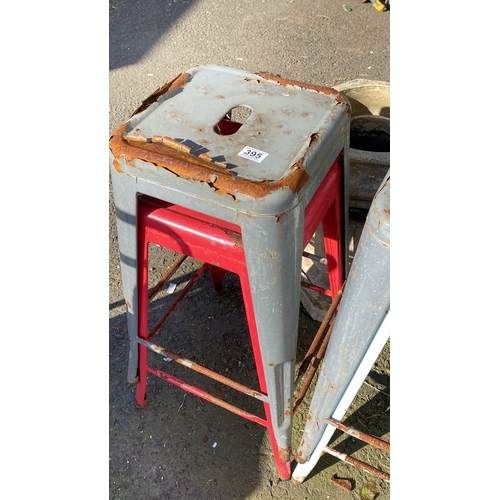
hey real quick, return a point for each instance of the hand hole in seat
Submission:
(233, 120)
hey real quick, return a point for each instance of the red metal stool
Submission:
(219, 245)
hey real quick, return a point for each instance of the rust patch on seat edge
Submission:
(176, 83)
(318, 88)
(199, 169)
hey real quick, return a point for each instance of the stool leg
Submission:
(143, 304)
(273, 259)
(217, 276)
(301, 471)
(365, 303)
(126, 221)
(333, 239)
(140, 389)
(282, 461)
(284, 466)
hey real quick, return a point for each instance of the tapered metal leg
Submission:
(364, 305)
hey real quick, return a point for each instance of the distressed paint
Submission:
(176, 83)
(176, 158)
(359, 464)
(318, 88)
(363, 436)
(197, 367)
(170, 150)
(364, 306)
(302, 470)
(207, 396)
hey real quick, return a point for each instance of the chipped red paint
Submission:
(205, 395)
(208, 372)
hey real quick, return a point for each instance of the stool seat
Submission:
(265, 157)
(289, 123)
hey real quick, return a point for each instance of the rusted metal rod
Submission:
(208, 397)
(205, 371)
(367, 438)
(170, 271)
(313, 369)
(359, 464)
(169, 311)
(319, 335)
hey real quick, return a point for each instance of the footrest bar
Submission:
(362, 436)
(171, 270)
(205, 371)
(208, 397)
(358, 464)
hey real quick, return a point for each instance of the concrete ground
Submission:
(177, 447)
(68, 434)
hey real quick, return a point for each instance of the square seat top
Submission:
(241, 127)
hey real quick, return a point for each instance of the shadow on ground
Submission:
(135, 27)
(180, 446)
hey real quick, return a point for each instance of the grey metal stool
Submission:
(360, 332)
(269, 178)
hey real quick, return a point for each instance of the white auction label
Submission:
(252, 154)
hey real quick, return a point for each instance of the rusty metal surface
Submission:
(285, 453)
(170, 271)
(357, 338)
(317, 338)
(326, 323)
(177, 82)
(172, 151)
(367, 438)
(343, 483)
(172, 308)
(318, 88)
(208, 397)
(205, 371)
(315, 42)
(195, 168)
(359, 464)
(313, 369)
(157, 133)
(315, 288)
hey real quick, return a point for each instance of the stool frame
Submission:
(275, 212)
